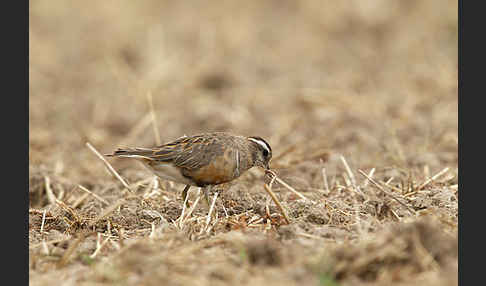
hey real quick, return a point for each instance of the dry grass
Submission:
(359, 103)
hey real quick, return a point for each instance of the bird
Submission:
(202, 160)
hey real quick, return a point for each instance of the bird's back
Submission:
(210, 158)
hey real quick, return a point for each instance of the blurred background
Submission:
(373, 80)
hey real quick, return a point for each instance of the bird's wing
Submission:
(189, 152)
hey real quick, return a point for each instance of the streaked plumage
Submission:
(203, 160)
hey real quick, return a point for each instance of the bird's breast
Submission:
(220, 169)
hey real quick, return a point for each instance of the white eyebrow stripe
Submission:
(261, 143)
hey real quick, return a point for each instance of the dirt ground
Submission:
(357, 99)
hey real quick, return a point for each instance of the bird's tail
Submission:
(142, 153)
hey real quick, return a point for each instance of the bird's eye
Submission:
(265, 153)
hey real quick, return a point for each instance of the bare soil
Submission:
(358, 101)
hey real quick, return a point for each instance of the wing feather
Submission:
(186, 152)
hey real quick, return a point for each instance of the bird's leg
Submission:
(206, 191)
(184, 195)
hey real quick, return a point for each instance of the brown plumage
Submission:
(203, 160)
